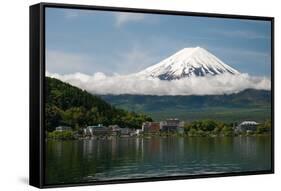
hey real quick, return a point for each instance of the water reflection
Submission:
(88, 160)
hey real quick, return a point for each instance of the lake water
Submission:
(128, 158)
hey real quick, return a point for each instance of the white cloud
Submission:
(122, 18)
(99, 83)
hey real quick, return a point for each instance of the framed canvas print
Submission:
(123, 95)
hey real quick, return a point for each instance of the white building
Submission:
(247, 126)
(63, 128)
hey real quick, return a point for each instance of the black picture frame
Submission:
(37, 94)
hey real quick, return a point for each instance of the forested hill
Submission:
(249, 97)
(69, 105)
(249, 104)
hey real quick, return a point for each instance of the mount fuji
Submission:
(188, 62)
(180, 74)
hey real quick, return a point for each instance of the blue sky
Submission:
(112, 42)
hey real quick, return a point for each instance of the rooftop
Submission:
(249, 123)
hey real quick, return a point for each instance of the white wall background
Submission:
(14, 39)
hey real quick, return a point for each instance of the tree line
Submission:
(210, 127)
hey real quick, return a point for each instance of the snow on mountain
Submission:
(188, 62)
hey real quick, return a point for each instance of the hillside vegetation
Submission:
(246, 105)
(71, 106)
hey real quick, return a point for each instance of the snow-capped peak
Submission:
(186, 63)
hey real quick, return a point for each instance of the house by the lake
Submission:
(169, 125)
(97, 130)
(111, 130)
(63, 128)
(246, 126)
(172, 125)
(151, 127)
(139, 131)
(126, 131)
(115, 130)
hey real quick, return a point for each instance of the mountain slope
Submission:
(245, 105)
(186, 63)
(69, 105)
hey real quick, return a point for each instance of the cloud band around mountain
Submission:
(99, 83)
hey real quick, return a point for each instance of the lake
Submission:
(127, 158)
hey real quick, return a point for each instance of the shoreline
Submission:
(150, 136)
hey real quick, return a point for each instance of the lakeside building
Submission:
(127, 132)
(139, 131)
(246, 126)
(169, 125)
(63, 128)
(172, 125)
(97, 130)
(151, 127)
(115, 130)
(111, 130)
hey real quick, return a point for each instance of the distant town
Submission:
(168, 127)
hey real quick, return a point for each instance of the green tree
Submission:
(227, 131)
(208, 125)
(63, 135)
(192, 132)
(264, 127)
(75, 117)
(68, 105)
(53, 117)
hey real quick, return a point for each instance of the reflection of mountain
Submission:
(186, 63)
(248, 104)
